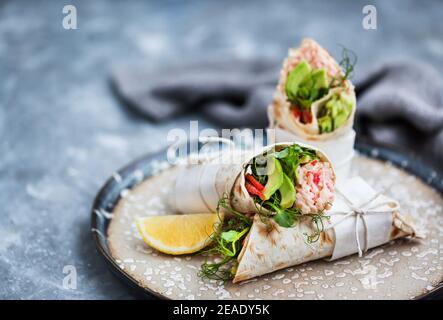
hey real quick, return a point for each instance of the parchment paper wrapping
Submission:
(380, 227)
(199, 187)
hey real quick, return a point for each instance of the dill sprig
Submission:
(227, 243)
(317, 220)
(347, 63)
(222, 270)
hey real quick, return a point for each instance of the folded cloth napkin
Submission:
(232, 93)
(400, 103)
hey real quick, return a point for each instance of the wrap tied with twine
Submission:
(358, 213)
(362, 218)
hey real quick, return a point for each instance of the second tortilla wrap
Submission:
(279, 112)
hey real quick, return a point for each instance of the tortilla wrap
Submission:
(267, 249)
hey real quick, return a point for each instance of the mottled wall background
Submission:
(62, 132)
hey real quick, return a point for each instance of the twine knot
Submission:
(360, 212)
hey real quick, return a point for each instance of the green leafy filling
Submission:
(290, 158)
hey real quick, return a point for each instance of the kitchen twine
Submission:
(360, 212)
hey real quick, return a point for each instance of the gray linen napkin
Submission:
(232, 93)
(399, 103)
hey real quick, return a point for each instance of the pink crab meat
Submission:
(315, 188)
(315, 55)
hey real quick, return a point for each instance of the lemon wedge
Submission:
(178, 234)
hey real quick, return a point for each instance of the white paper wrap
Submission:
(379, 217)
(199, 187)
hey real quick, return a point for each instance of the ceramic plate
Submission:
(401, 269)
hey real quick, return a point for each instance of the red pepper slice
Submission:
(254, 191)
(306, 116)
(254, 182)
(296, 112)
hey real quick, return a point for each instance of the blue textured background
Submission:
(62, 132)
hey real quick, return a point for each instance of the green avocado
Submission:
(340, 118)
(275, 178)
(335, 113)
(287, 192)
(334, 106)
(347, 99)
(312, 87)
(295, 77)
(325, 124)
(319, 79)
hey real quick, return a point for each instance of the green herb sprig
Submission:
(317, 220)
(227, 242)
(347, 63)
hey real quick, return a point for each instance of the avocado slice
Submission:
(312, 87)
(341, 117)
(295, 78)
(287, 192)
(319, 79)
(325, 124)
(334, 107)
(337, 111)
(316, 79)
(275, 178)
